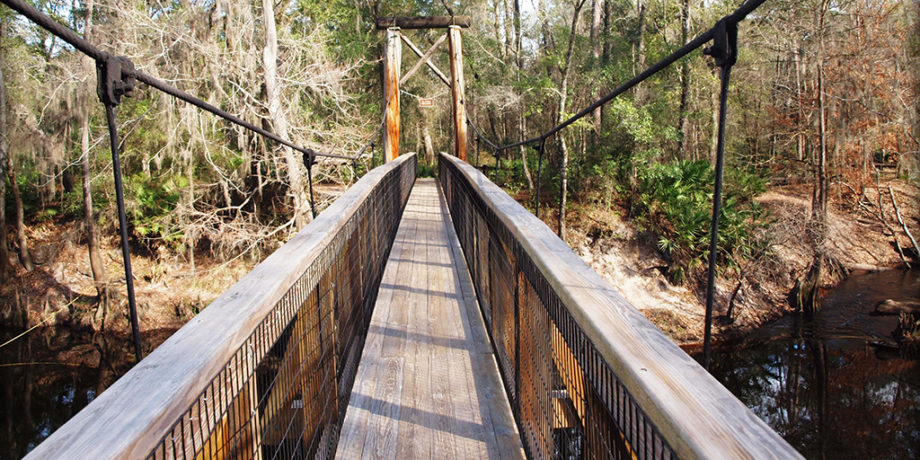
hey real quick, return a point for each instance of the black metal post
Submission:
(123, 223)
(310, 160)
(724, 51)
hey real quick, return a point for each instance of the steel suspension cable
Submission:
(116, 78)
(724, 35)
(123, 225)
(87, 48)
(736, 16)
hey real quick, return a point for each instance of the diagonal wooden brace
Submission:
(431, 66)
(423, 60)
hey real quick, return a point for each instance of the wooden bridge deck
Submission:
(427, 383)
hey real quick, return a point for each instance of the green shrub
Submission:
(674, 201)
(151, 201)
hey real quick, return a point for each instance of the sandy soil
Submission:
(168, 291)
(857, 240)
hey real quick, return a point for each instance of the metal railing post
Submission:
(724, 50)
(115, 78)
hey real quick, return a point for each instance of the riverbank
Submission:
(60, 290)
(858, 242)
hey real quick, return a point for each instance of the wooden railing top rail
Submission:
(697, 416)
(131, 417)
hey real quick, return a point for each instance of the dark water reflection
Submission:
(48, 375)
(834, 387)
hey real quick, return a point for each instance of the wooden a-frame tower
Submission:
(392, 62)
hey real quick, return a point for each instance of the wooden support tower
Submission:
(391, 65)
(391, 70)
(458, 114)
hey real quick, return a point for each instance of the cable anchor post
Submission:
(724, 47)
(309, 159)
(724, 51)
(116, 77)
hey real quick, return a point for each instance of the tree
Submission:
(276, 112)
(5, 266)
(563, 98)
(85, 98)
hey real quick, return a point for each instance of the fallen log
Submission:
(896, 306)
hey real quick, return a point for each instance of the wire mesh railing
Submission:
(267, 369)
(724, 51)
(586, 374)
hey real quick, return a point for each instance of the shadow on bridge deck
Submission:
(427, 383)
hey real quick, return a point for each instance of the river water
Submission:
(834, 387)
(48, 375)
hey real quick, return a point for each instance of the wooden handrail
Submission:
(692, 411)
(132, 417)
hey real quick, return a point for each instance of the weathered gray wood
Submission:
(418, 52)
(383, 424)
(392, 62)
(458, 113)
(423, 59)
(451, 400)
(697, 416)
(130, 417)
(423, 22)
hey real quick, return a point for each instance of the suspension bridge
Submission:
(415, 319)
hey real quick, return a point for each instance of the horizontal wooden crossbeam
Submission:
(423, 22)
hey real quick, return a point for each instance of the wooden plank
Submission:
(354, 427)
(154, 394)
(441, 403)
(469, 437)
(692, 411)
(383, 424)
(422, 22)
(451, 395)
(487, 396)
(458, 114)
(415, 435)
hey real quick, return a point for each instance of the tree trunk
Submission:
(800, 137)
(522, 123)
(597, 7)
(805, 293)
(640, 51)
(563, 96)
(5, 266)
(912, 8)
(518, 34)
(429, 146)
(100, 279)
(24, 256)
(275, 111)
(683, 121)
(523, 150)
(714, 135)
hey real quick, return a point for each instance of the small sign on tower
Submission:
(426, 102)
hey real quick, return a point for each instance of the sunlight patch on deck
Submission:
(427, 383)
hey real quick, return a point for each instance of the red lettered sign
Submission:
(426, 102)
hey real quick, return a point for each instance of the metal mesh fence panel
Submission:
(566, 399)
(284, 393)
